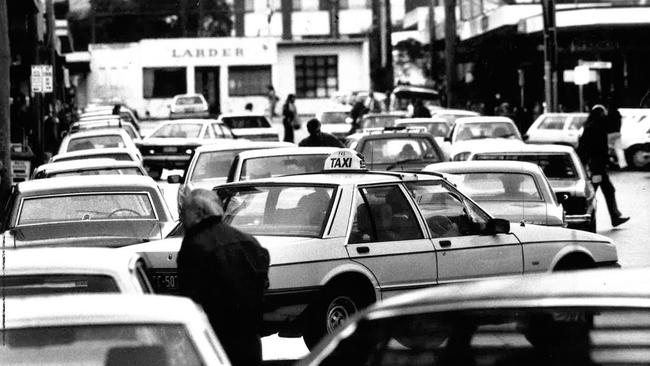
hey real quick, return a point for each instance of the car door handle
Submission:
(444, 243)
(363, 250)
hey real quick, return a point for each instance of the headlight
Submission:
(462, 156)
(188, 151)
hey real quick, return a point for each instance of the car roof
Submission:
(67, 260)
(456, 167)
(340, 178)
(564, 114)
(483, 119)
(39, 311)
(386, 114)
(87, 164)
(445, 111)
(587, 287)
(242, 114)
(524, 148)
(104, 150)
(187, 121)
(97, 132)
(298, 150)
(127, 183)
(421, 120)
(230, 144)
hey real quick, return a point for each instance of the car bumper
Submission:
(578, 219)
(174, 161)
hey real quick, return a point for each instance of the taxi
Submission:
(104, 166)
(98, 139)
(343, 238)
(107, 330)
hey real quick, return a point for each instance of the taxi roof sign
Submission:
(345, 159)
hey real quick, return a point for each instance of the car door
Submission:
(458, 230)
(388, 239)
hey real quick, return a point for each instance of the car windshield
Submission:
(391, 150)
(210, 165)
(378, 121)
(499, 186)
(105, 344)
(334, 117)
(56, 284)
(95, 142)
(178, 130)
(85, 207)
(277, 210)
(114, 156)
(497, 336)
(437, 129)
(555, 166)
(189, 100)
(246, 122)
(484, 130)
(273, 166)
(102, 171)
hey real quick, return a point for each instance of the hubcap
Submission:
(339, 310)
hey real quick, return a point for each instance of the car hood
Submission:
(174, 141)
(533, 233)
(113, 233)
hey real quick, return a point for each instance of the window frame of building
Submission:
(307, 75)
(175, 87)
(254, 82)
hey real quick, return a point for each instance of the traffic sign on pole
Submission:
(48, 82)
(581, 75)
(596, 64)
(37, 79)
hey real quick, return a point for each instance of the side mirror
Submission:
(174, 179)
(498, 226)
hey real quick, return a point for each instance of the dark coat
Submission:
(226, 272)
(592, 145)
(322, 139)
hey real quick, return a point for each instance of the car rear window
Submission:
(56, 284)
(104, 171)
(114, 156)
(246, 122)
(437, 129)
(475, 131)
(334, 117)
(391, 150)
(499, 186)
(85, 207)
(95, 142)
(553, 123)
(189, 100)
(378, 121)
(178, 130)
(555, 166)
(273, 166)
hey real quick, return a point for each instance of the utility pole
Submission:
(450, 51)
(5, 130)
(550, 55)
(51, 45)
(432, 39)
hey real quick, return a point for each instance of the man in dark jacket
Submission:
(318, 138)
(594, 153)
(226, 272)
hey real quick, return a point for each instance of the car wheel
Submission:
(637, 157)
(335, 308)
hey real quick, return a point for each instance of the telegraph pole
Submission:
(450, 51)
(550, 55)
(5, 130)
(432, 39)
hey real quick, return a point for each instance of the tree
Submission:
(5, 140)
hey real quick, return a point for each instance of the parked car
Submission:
(564, 171)
(250, 126)
(115, 153)
(436, 126)
(451, 115)
(107, 211)
(171, 145)
(56, 271)
(635, 136)
(188, 106)
(108, 330)
(513, 190)
(470, 133)
(556, 128)
(396, 148)
(345, 237)
(597, 317)
(98, 139)
(265, 163)
(89, 167)
(336, 120)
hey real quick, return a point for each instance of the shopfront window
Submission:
(249, 80)
(164, 82)
(316, 76)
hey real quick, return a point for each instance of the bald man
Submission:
(226, 272)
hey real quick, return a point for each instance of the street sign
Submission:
(48, 82)
(596, 65)
(37, 79)
(568, 76)
(581, 75)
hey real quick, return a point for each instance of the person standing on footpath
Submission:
(318, 138)
(273, 100)
(594, 153)
(289, 115)
(226, 272)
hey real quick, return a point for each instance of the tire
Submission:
(574, 262)
(635, 157)
(336, 306)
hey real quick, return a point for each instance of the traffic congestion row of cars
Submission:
(345, 229)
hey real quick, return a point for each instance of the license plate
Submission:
(169, 149)
(164, 281)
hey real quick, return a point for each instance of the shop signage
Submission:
(597, 64)
(207, 52)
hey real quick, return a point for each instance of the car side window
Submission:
(446, 212)
(383, 214)
(142, 277)
(218, 133)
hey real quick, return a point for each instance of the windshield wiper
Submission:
(403, 161)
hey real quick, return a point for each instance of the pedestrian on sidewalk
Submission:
(273, 100)
(289, 117)
(318, 138)
(226, 272)
(594, 153)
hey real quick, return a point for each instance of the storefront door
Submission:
(207, 83)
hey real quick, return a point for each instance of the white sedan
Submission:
(98, 139)
(470, 132)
